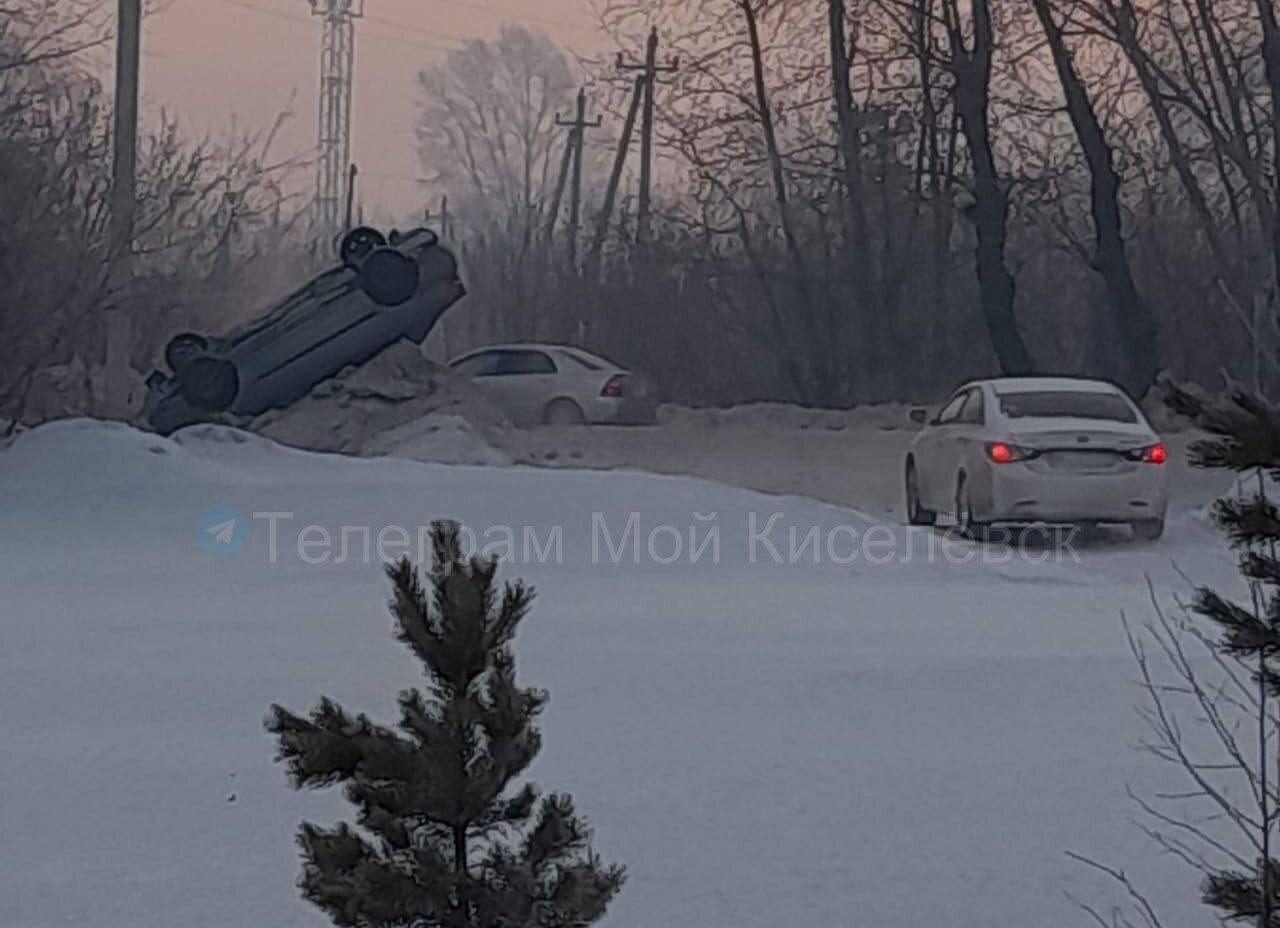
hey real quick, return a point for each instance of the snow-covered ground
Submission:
(894, 744)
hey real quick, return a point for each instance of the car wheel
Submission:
(917, 514)
(209, 383)
(388, 277)
(1148, 529)
(358, 244)
(965, 523)
(563, 412)
(182, 348)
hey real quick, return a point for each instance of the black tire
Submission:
(563, 412)
(208, 383)
(916, 514)
(184, 347)
(1148, 529)
(388, 277)
(965, 523)
(358, 244)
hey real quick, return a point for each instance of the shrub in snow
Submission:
(442, 838)
(1231, 697)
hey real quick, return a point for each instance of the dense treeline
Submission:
(874, 199)
(853, 200)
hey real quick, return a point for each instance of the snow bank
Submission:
(399, 402)
(444, 439)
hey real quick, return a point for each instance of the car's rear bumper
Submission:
(1018, 493)
(621, 410)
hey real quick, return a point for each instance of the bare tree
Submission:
(206, 211)
(1110, 257)
(486, 126)
(970, 64)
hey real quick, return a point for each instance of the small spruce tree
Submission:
(443, 838)
(1245, 439)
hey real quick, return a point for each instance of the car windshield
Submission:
(1078, 404)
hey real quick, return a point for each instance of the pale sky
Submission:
(209, 62)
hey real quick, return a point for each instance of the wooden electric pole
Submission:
(124, 149)
(562, 178)
(573, 153)
(122, 203)
(615, 176)
(441, 217)
(651, 69)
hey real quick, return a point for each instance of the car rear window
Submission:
(581, 361)
(1067, 404)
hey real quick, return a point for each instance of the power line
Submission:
(405, 27)
(419, 30)
(525, 17)
(399, 40)
(413, 43)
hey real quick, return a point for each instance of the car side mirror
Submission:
(919, 415)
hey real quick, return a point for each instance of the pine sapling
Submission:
(444, 836)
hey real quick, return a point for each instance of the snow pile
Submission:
(397, 400)
(444, 439)
(914, 740)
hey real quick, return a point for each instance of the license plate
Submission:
(1081, 460)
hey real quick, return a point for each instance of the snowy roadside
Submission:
(852, 459)
(916, 740)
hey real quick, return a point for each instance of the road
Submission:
(853, 466)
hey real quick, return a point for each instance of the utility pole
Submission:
(117, 327)
(561, 178)
(124, 151)
(229, 234)
(651, 70)
(352, 173)
(442, 216)
(615, 175)
(337, 65)
(577, 131)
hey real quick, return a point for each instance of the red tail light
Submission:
(1004, 453)
(613, 386)
(1152, 454)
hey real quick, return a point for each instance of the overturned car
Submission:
(386, 289)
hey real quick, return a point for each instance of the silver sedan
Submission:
(557, 385)
(1038, 450)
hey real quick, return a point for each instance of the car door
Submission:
(932, 453)
(526, 381)
(481, 369)
(965, 439)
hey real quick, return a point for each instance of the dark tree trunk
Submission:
(819, 378)
(1124, 22)
(843, 97)
(1132, 315)
(1271, 60)
(990, 212)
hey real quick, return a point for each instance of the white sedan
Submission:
(557, 385)
(1038, 450)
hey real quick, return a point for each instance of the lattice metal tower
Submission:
(337, 61)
